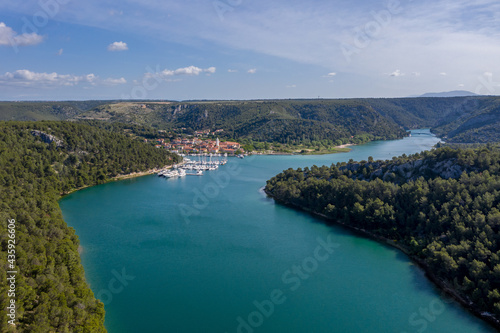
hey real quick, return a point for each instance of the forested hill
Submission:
(455, 119)
(468, 119)
(32, 111)
(38, 162)
(284, 121)
(440, 206)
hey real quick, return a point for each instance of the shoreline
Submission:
(121, 177)
(334, 150)
(346, 145)
(438, 282)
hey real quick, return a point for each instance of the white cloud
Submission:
(114, 82)
(60, 52)
(396, 73)
(118, 46)
(416, 74)
(26, 78)
(443, 74)
(210, 70)
(331, 74)
(252, 71)
(12, 38)
(191, 70)
(292, 86)
(232, 70)
(454, 36)
(188, 71)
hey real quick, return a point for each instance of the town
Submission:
(199, 146)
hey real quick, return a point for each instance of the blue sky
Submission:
(242, 49)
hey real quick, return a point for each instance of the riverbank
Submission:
(124, 176)
(333, 150)
(437, 281)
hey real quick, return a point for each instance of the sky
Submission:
(246, 49)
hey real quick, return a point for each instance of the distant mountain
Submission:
(454, 93)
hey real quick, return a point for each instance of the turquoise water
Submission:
(213, 254)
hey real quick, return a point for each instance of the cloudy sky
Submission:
(242, 49)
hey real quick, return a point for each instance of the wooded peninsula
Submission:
(442, 207)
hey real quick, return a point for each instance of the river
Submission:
(214, 254)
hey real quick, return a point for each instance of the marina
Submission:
(202, 163)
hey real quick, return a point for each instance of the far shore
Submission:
(340, 149)
(334, 150)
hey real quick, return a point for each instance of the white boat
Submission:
(173, 173)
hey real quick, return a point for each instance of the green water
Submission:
(230, 260)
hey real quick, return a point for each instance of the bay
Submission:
(214, 254)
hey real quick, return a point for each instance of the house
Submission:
(230, 145)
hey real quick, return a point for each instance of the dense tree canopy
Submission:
(469, 119)
(39, 161)
(441, 206)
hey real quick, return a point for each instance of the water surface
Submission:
(210, 254)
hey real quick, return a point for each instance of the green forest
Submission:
(442, 207)
(39, 162)
(280, 121)
(472, 119)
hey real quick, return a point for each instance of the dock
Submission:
(206, 163)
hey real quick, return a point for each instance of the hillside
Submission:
(278, 121)
(467, 119)
(441, 207)
(459, 119)
(33, 111)
(40, 161)
(479, 126)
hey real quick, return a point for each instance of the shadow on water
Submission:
(420, 281)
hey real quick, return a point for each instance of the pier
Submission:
(205, 163)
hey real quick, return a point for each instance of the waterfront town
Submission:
(199, 146)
